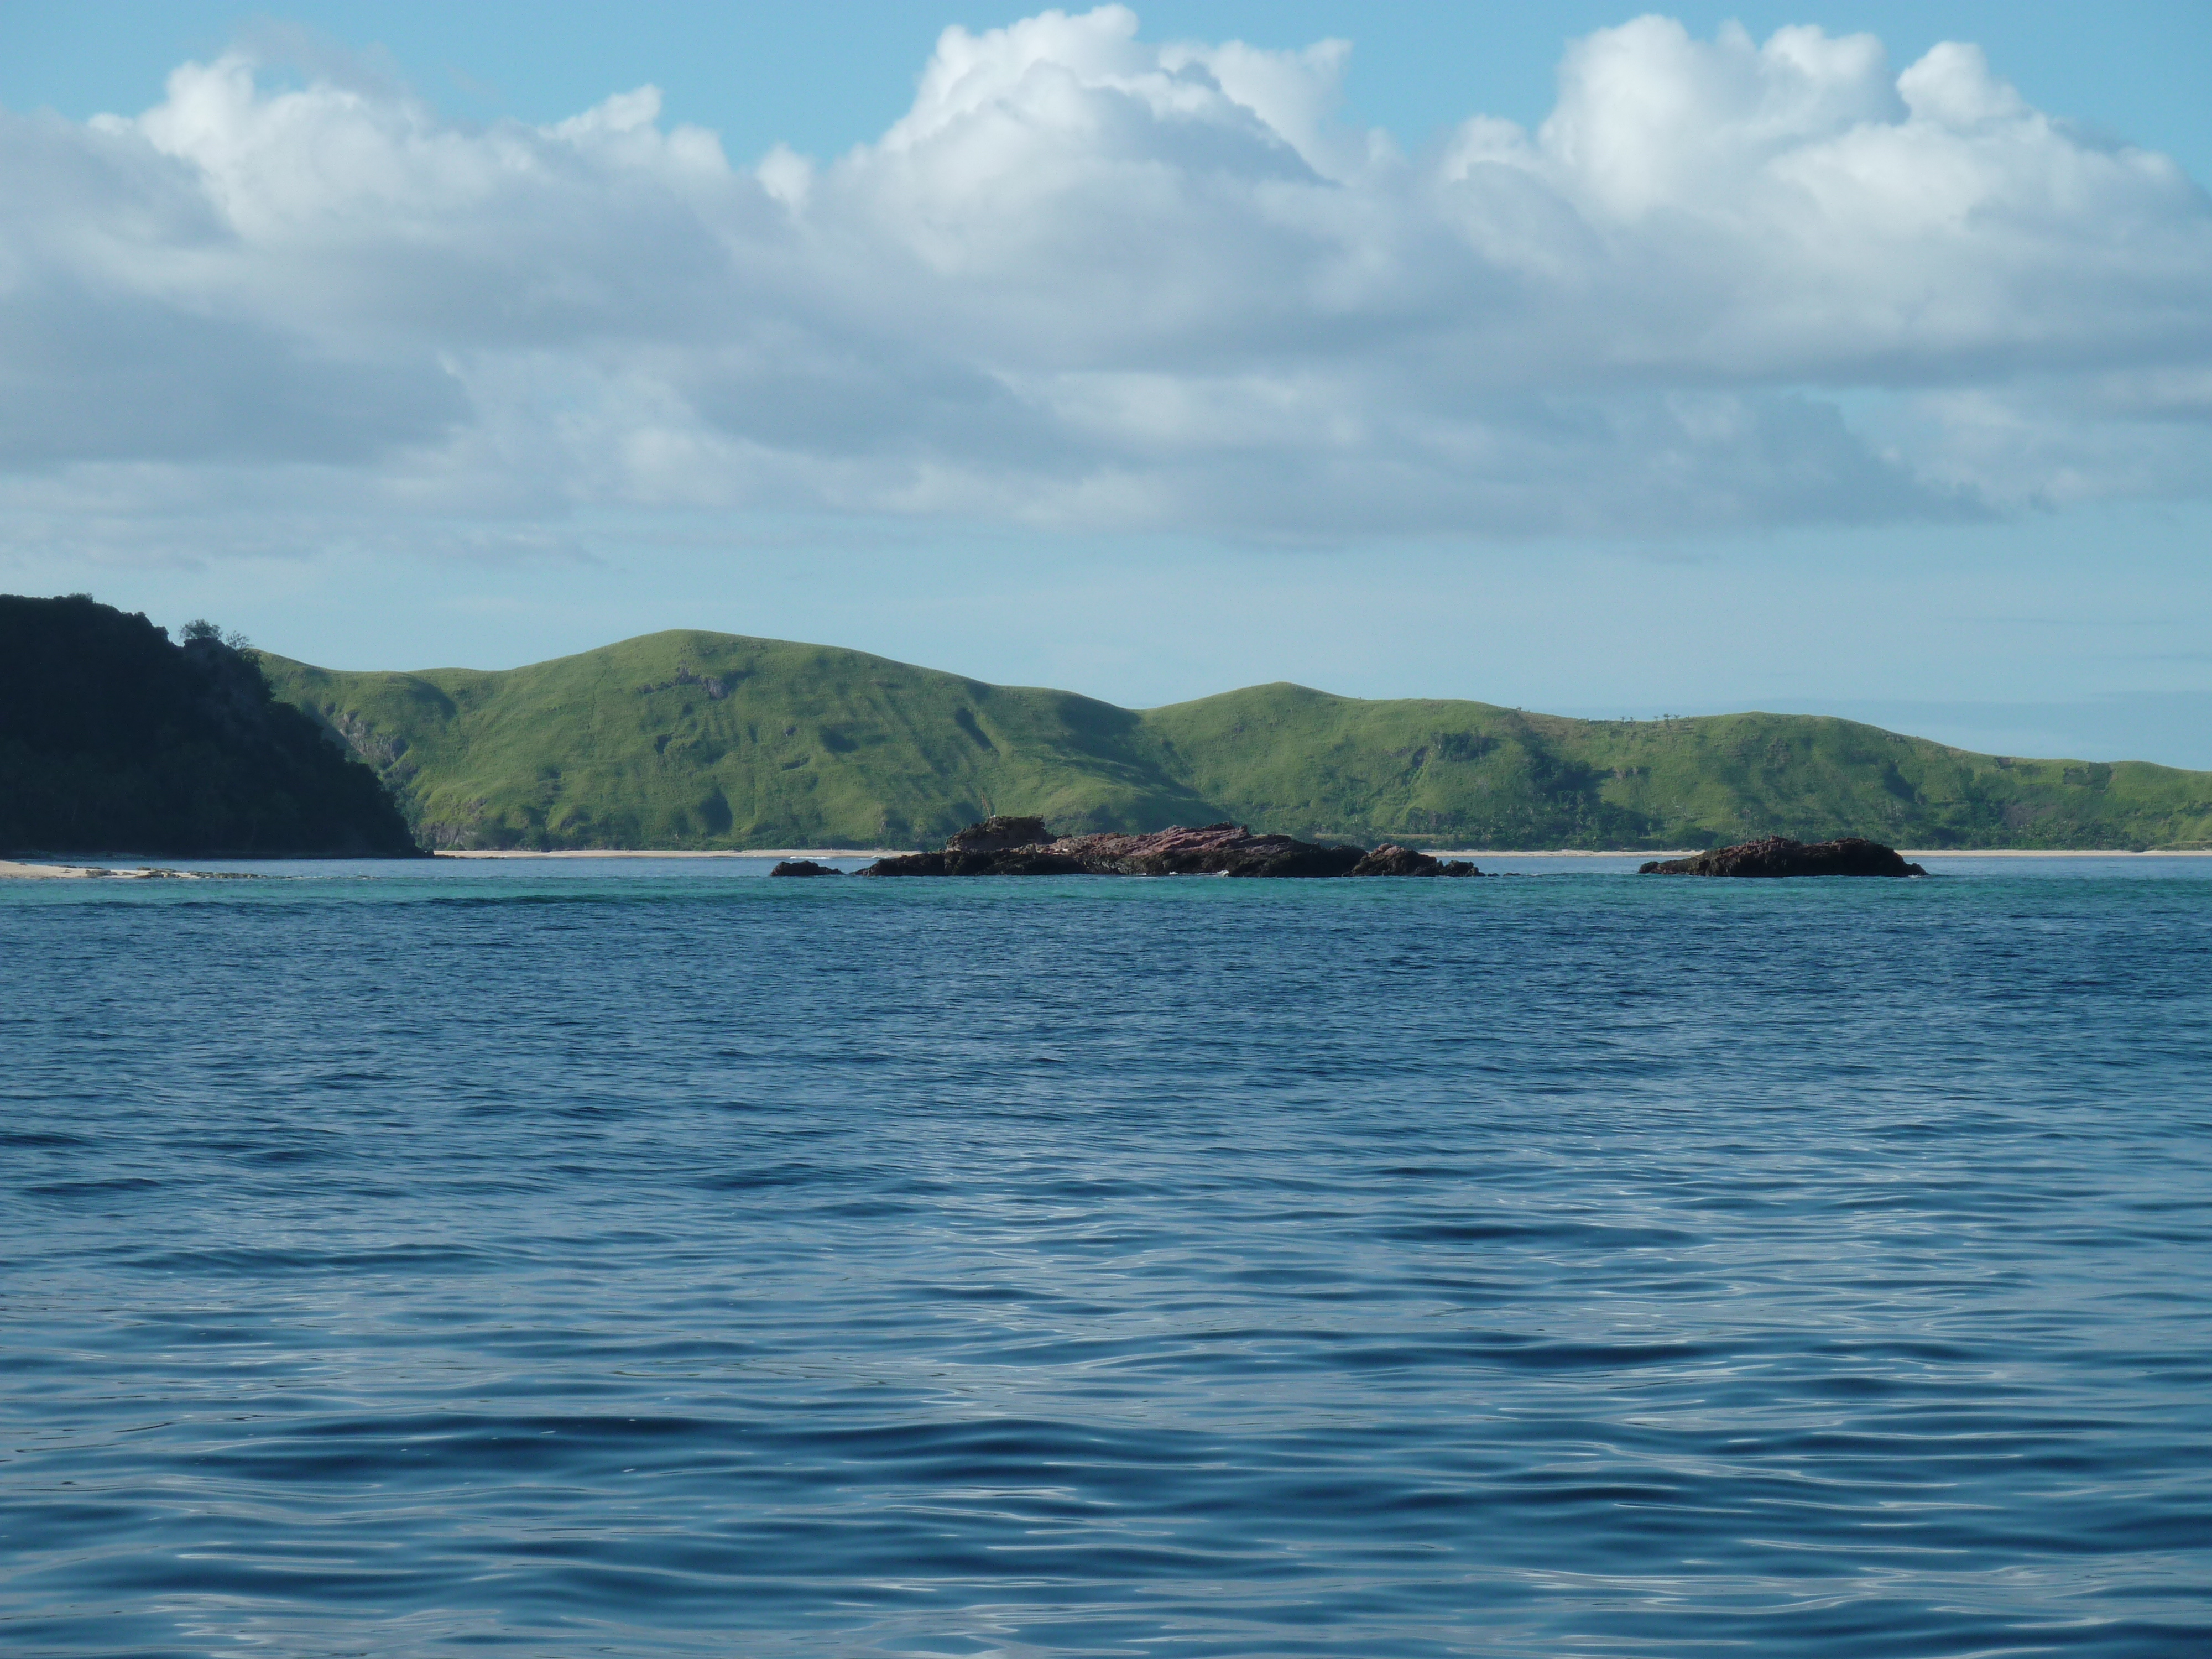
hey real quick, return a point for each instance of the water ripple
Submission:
(651, 1260)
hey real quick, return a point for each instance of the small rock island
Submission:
(1023, 846)
(1778, 855)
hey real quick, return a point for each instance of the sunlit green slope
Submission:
(697, 739)
(691, 740)
(1473, 775)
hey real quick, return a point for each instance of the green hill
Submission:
(691, 739)
(113, 739)
(687, 740)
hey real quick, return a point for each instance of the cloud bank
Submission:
(1092, 281)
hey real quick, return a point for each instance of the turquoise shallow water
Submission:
(648, 1258)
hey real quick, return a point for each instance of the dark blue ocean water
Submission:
(649, 1258)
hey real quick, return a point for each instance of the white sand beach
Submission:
(1903, 852)
(2066, 852)
(673, 853)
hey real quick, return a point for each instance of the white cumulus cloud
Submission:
(1093, 279)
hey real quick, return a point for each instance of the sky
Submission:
(1844, 358)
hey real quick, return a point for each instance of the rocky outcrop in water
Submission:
(1022, 846)
(803, 867)
(1777, 855)
(998, 835)
(1392, 859)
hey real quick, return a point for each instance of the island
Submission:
(1023, 846)
(1778, 855)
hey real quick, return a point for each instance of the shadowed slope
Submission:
(113, 739)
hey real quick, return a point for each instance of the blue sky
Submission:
(822, 78)
(1716, 369)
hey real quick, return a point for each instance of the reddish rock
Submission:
(1011, 861)
(1022, 846)
(1777, 855)
(1392, 859)
(1212, 849)
(998, 835)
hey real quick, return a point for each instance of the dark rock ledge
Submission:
(1022, 846)
(1777, 855)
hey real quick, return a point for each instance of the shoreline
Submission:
(2057, 852)
(818, 853)
(1902, 852)
(683, 853)
(17, 870)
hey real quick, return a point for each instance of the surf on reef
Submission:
(15, 869)
(1023, 846)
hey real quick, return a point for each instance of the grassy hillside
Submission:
(695, 739)
(1475, 774)
(691, 739)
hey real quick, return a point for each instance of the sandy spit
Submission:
(8, 868)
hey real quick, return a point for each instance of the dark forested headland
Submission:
(115, 739)
(689, 739)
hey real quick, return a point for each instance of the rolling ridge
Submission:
(691, 739)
